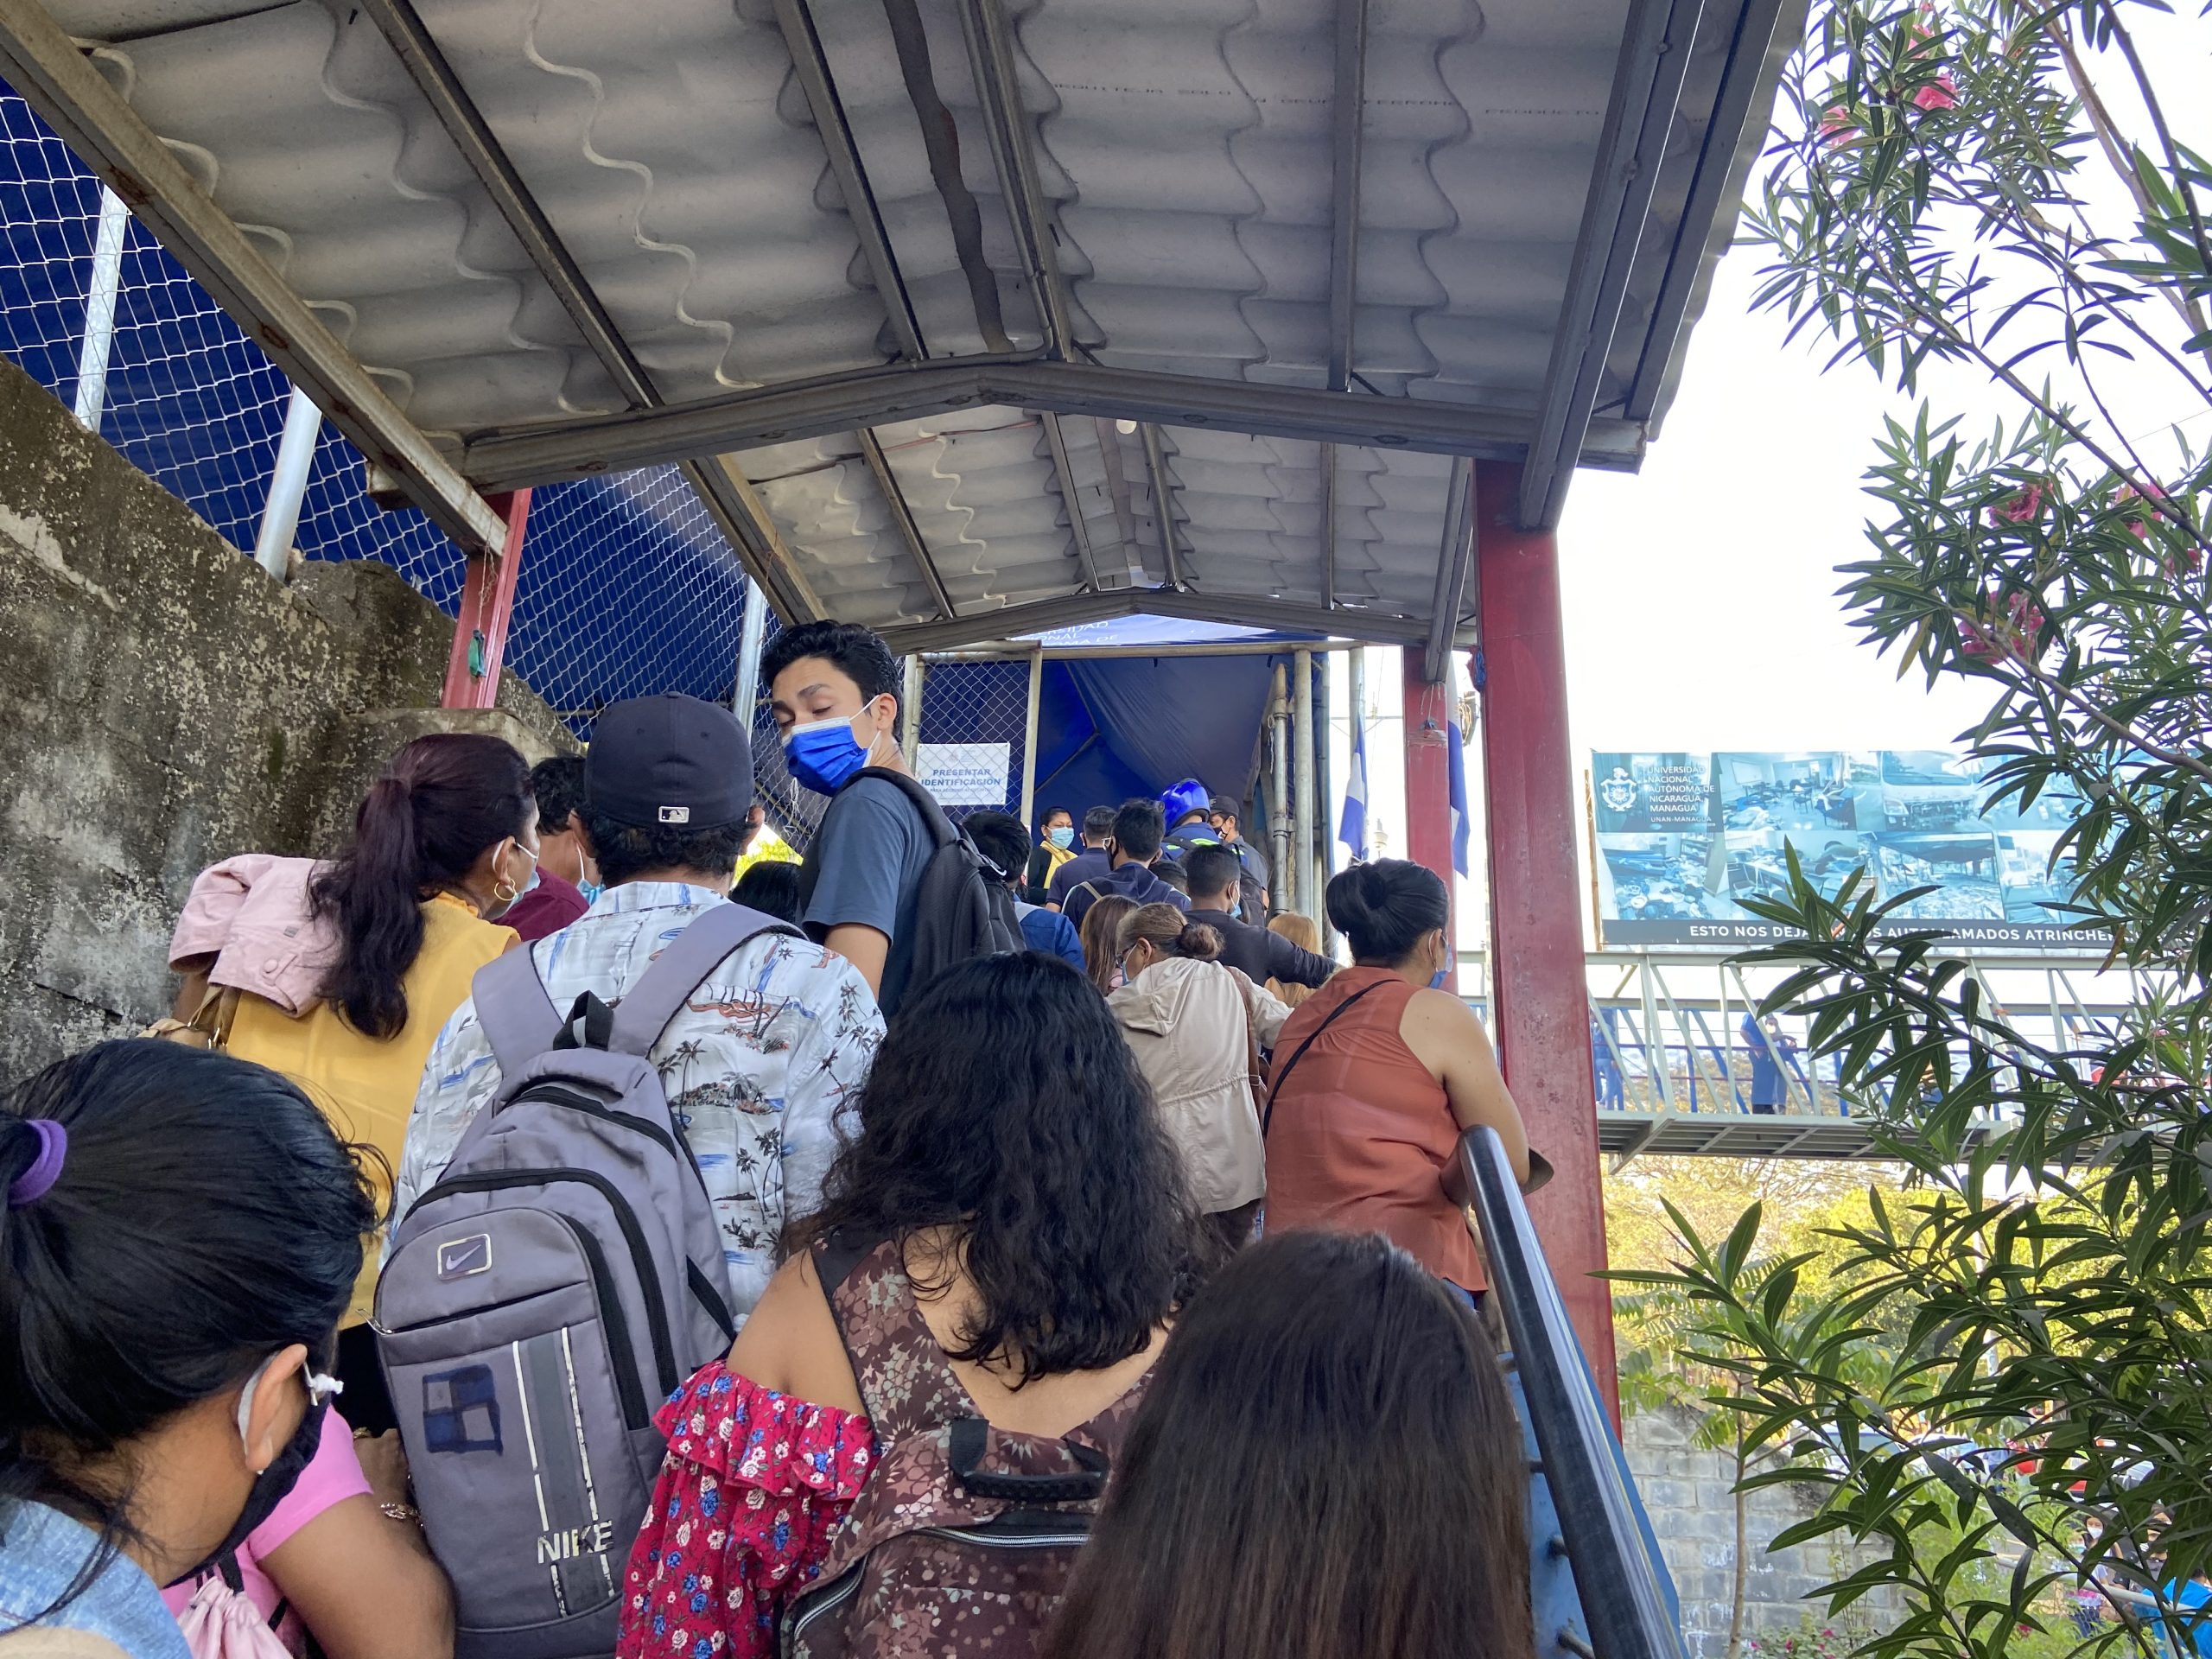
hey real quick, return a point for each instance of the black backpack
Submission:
(960, 911)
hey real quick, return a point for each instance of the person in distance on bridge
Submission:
(1094, 860)
(1260, 954)
(1327, 1467)
(1301, 932)
(1138, 826)
(1055, 847)
(998, 836)
(556, 896)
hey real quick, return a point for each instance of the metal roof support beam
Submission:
(1242, 610)
(1078, 527)
(1037, 616)
(1754, 60)
(1647, 88)
(1328, 526)
(44, 64)
(501, 459)
(1163, 503)
(903, 517)
(722, 487)
(1251, 611)
(811, 66)
(1347, 110)
(1453, 560)
(1006, 119)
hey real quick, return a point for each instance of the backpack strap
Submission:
(941, 828)
(518, 1017)
(1274, 1093)
(645, 1010)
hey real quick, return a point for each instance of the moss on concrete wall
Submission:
(165, 703)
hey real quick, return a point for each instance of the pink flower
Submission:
(2136, 526)
(2019, 509)
(1837, 128)
(2016, 634)
(1940, 93)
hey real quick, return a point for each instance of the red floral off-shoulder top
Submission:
(753, 1484)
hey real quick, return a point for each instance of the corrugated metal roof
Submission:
(1186, 151)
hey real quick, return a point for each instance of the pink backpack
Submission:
(221, 1622)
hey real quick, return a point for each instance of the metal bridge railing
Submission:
(1627, 1610)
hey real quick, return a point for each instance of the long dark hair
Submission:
(442, 803)
(1004, 1104)
(1326, 1464)
(205, 1217)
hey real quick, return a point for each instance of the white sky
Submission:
(1700, 610)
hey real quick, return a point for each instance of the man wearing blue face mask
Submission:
(833, 689)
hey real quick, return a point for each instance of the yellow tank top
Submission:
(366, 1086)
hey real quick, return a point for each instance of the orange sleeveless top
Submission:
(1361, 1134)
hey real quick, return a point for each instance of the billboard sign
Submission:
(1682, 837)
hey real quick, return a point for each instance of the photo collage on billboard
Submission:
(1683, 837)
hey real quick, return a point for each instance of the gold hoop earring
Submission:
(506, 891)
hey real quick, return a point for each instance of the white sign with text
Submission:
(964, 774)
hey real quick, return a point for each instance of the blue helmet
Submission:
(1180, 800)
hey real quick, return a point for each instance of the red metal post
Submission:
(1428, 784)
(487, 605)
(1536, 971)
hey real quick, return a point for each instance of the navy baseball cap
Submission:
(669, 759)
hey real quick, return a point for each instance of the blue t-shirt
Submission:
(871, 852)
(1050, 934)
(2196, 1623)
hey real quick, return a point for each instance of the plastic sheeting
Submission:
(1111, 727)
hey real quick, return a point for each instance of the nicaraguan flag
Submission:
(1351, 828)
(1456, 748)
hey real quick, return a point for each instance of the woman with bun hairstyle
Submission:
(340, 976)
(181, 1233)
(1196, 1028)
(1376, 1076)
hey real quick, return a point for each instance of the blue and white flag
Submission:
(1351, 828)
(1456, 748)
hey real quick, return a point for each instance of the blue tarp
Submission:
(1111, 727)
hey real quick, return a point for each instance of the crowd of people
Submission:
(1056, 1259)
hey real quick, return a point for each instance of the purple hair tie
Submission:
(38, 1180)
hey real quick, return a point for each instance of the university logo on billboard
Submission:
(1683, 837)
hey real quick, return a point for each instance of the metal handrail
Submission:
(1615, 1576)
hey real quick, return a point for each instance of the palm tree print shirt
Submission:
(762, 1067)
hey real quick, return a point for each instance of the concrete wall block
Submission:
(167, 704)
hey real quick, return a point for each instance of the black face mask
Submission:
(270, 1487)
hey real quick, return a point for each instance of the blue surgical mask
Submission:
(591, 890)
(1436, 980)
(823, 754)
(1062, 836)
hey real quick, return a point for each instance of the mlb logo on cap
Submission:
(669, 762)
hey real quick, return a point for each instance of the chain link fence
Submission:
(975, 722)
(625, 587)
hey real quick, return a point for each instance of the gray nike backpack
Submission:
(560, 1280)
